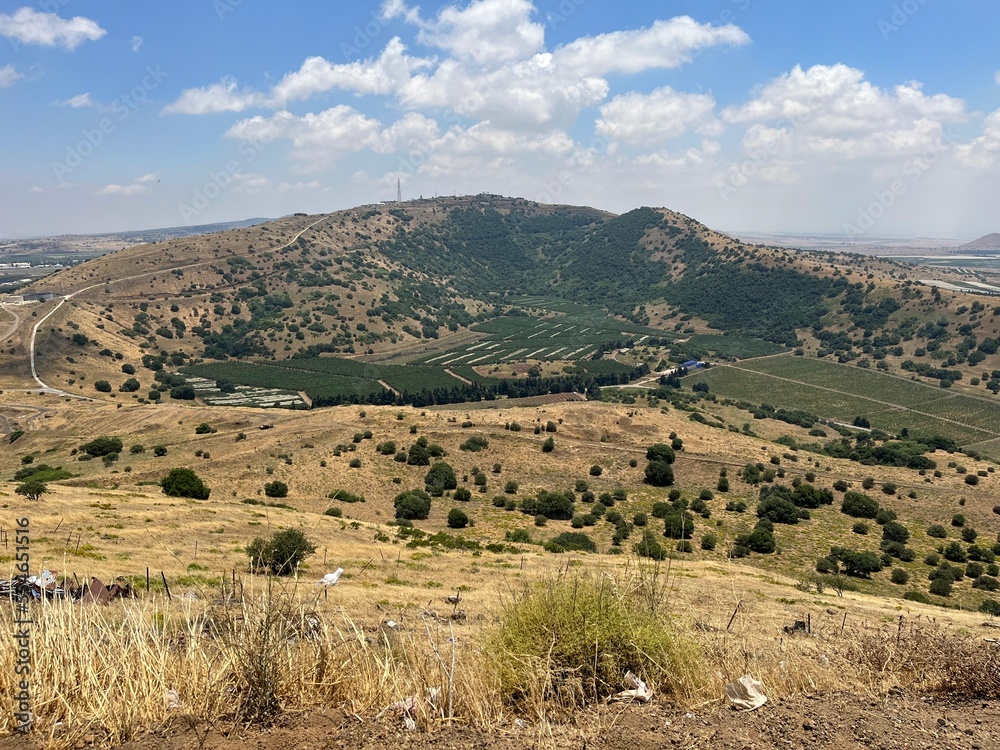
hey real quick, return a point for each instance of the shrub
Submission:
(32, 489)
(574, 541)
(102, 446)
(958, 520)
(661, 452)
(596, 470)
(684, 546)
(440, 477)
(102, 386)
(708, 542)
(677, 525)
(583, 627)
(346, 497)
(414, 505)
(899, 576)
(354, 463)
(649, 547)
(334, 512)
(282, 554)
(511, 487)
(937, 531)
(986, 583)
(276, 489)
(723, 485)
(659, 474)
(541, 520)
(895, 532)
(159, 451)
(889, 488)
(549, 445)
(860, 528)
(184, 483)
(639, 519)
(969, 535)
(457, 519)
(941, 587)
(859, 505)
(387, 448)
(971, 479)
(990, 607)
(130, 386)
(475, 444)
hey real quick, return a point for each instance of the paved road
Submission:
(29, 421)
(34, 331)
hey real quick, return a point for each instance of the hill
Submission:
(429, 281)
(989, 243)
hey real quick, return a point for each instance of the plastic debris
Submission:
(331, 579)
(172, 698)
(746, 693)
(409, 724)
(636, 690)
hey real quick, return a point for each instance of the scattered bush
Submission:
(184, 483)
(457, 519)
(282, 554)
(276, 489)
(414, 505)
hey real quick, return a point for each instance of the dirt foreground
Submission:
(834, 722)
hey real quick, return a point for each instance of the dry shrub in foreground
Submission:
(568, 640)
(106, 670)
(926, 659)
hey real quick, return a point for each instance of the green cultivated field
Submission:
(840, 393)
(575, 333)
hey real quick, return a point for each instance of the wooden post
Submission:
(843, 623)
(735, 611)
(147, 580)
(164, 577)
(78, 544)
(809, 623)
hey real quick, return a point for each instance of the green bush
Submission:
(659, 474)
(457, 519)
(440, 477)
(346, 497)
(709, 542)
(859, 505)
(593, 631)
(574, 541)
(102, 446)
(937, 531)
(184, 483)
(899, 576)
(159, 451)
(414, 505)
(463, 495)
(276, 489)
(990, 607)
(282, 554)
(596, 470)
(941, 587)
(102, 386)
(334, 512)
(549, 445)
(475, 444)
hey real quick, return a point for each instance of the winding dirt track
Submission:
(13, 329)
(34, 331)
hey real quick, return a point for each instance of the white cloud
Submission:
(135, 43)
(80, 100)
(317, 139)
(36, 189)
(148, 177)
(832, 113)
(485, 32)
(133, 189)
(8, 76)
(250, 184)
(28, 26)
(224, 96)
(647, 119)
(666, 44)
(983, 152)
(297, 187)
(383, 75)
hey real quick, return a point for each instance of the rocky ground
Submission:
(827, 722)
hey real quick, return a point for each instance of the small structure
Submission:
(693, 364)
(38, 296)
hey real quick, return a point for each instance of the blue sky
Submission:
(858, 118)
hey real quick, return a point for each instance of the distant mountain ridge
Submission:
(987, 243)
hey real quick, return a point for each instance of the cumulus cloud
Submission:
(833, 113)
(485, 32)
(36, 189)
(135, 43)
(648, 119)
(80, 100)
(666, 44)
(8, 76)
(29, 26)
(983, 152)
(224, 96)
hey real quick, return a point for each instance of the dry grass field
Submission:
(385, 632)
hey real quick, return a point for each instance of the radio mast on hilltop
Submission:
(399, 190)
